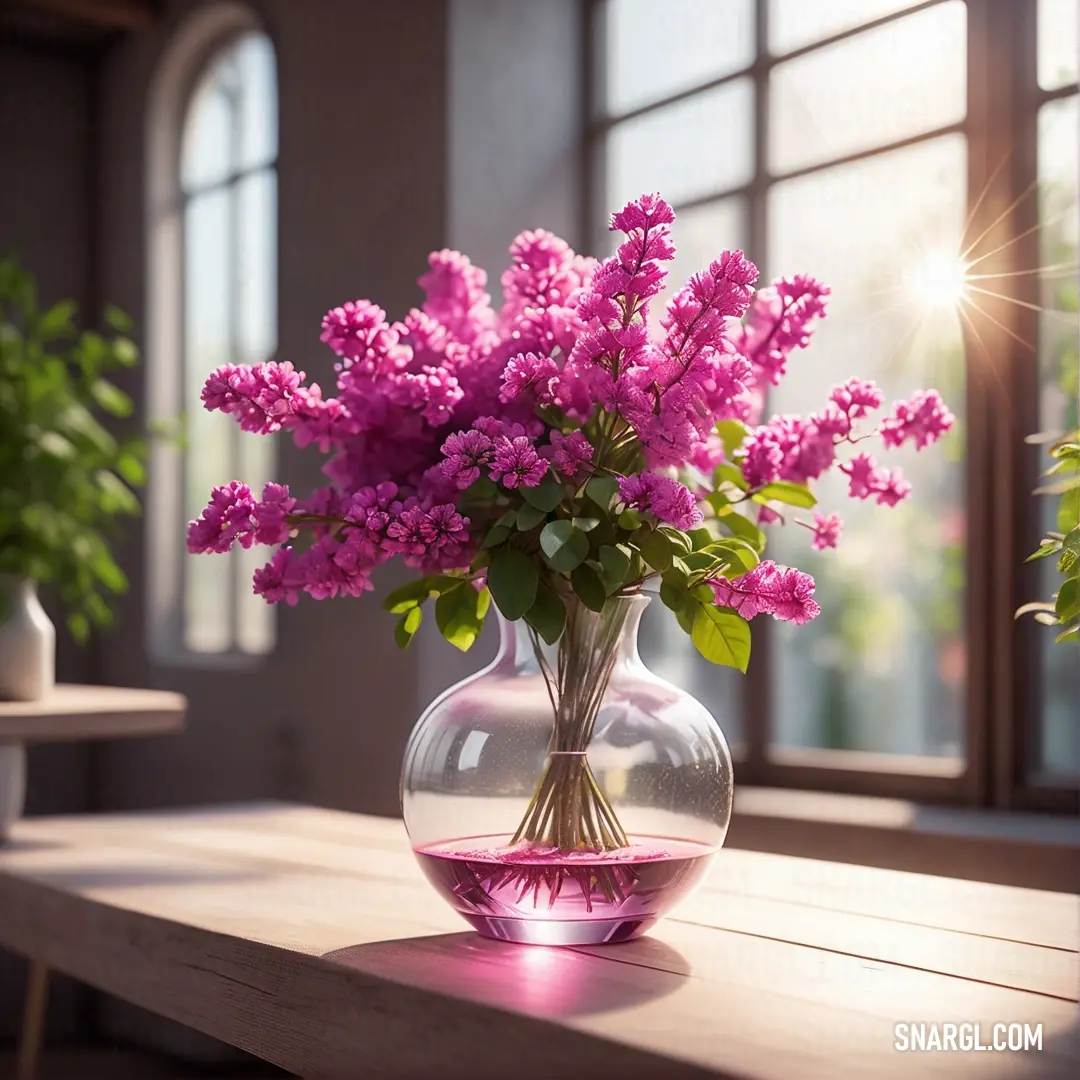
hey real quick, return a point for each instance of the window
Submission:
(213, 223)
(877, 145)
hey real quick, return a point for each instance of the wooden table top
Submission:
(74, 712)
(310, 938)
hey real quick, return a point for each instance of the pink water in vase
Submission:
(543, 896)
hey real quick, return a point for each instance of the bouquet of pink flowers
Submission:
(557, 451)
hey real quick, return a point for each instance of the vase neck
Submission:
(23, 588)
(615, 629)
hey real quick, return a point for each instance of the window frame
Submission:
(1002, 710)
(196, 45)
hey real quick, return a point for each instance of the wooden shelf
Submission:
(310, 938)
(73, 712)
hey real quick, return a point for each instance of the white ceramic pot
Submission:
(12, 786)
(27, 643)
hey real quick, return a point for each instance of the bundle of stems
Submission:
(569, 811)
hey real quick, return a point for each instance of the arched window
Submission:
(213, 300)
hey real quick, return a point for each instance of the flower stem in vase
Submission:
(569, 811)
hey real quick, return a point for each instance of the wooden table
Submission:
(311, 939)
(69, 713)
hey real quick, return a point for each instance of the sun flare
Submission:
(938, 281)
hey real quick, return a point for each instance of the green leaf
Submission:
(1070, 633)
(680, 542)
(118, 320)
(728, 473)
(630, 520)
(407, 625)
(786, 492)
(586, 524)
(79, 627)
(721, 636)
(57, 321)
(116, 496)
(125, 352)
(513, 580)
(615, 559)
(603, 490)
(673, 594)
(413, 593)
(700, 539)
(1070, 552)
(1069, 511)
(55, 445)
(547, 616)
(656, 551)
(744, 529)
(545, 496)
(739, 552)
(111, 398)
(684, 616)
(1049, 547)
(529, 516)
(588, 587)
(460, 613)
(495, 535)
(732, 433)
(1067, 604)
(1047, 618)
(718, 501)
(131, 468)
(564, 546)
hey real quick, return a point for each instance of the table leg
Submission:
(33, 1023)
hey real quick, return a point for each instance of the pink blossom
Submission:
(274, 583)
(570, 453)
(467, 452)
(866, 478)
(517, 464)
(779, 322)
(666, 499)
(923, 419)
(406, 532)
(891, 487)
(529, 374)
(444, 525)
(768, 589)
(856, 397)
(766, 515)
(827, 530)
(226, 519)
(787, 448)
(271, 515)
(862, 472)
(359, 333)
(261, 396)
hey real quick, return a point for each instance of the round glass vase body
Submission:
(565, 794)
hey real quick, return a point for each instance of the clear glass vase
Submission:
(567, 795)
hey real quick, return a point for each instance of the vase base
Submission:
(559, 931)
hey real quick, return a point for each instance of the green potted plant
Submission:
(65, 479)
(1063, 543)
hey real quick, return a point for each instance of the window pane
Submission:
(795, 23)
(1060, 371)
(206, 156)
(255, 69)
(1057, 42)
(910, 77)
(649, 54)
(882, 668)
(209, 436)
(696, 147)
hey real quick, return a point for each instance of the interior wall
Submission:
(362, 175)
(46, 131)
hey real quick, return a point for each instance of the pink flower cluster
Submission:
(568, 376)
(666, 499)
(354, 534)
(800, 449)
(768, 589)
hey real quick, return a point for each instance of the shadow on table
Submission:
(549, 983)
(134, 876)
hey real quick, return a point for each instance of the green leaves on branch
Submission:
(786, 492)
(547, 616)
(460, 608)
